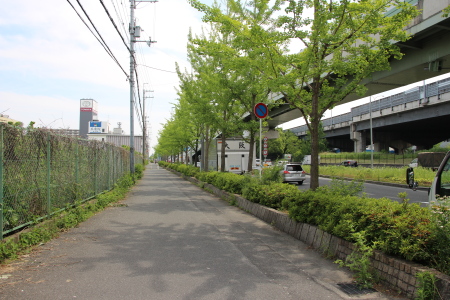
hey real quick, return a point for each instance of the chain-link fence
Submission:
(42, 173)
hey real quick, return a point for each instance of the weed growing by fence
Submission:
(71, 217)
(44, 172)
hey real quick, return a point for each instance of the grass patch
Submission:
(423, 176)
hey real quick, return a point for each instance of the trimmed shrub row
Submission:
(400, 229)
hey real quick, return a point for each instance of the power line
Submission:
(114, 24)
(137, 83)
(158, 69)
(142, 59)
(92, 23)
(119, 16)
(102, 42)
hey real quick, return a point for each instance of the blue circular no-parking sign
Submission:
(261, 110)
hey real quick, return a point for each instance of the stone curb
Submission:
(393, 272)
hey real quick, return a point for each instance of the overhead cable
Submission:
(115, 26)
(158, 69)
(119, 16)
(102, 42)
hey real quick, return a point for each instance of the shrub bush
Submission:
(252, 191)
(274, 194)
(397, 229)
(231, 183)
(187, 170)
(208, 177)
(138, 171)
(401, 229)
(272, 174)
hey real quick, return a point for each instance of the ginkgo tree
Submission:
(200, 109)
(233, 83)
(209, 55)
(342, 43)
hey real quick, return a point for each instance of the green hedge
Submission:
(400, 229)
(270, 195)
(397, 229)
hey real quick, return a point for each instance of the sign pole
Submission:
(261, 111)
(260, 147)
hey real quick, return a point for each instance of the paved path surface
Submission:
(172, 240)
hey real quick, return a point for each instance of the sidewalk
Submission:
(171, 240)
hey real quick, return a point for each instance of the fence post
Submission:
(1, 181)
(95, 169)
(77, 175)
(48, 175)
(109, 168)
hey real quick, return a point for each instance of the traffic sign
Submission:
(265, 139)
(265, 152)
(261, 111)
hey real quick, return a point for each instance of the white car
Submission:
(293, 172)
(257, 164)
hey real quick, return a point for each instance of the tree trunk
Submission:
(224, 138)
(222, 152)
(206, 144)
(195, 159)
(250, 155)
(252, 135)
(314, 124)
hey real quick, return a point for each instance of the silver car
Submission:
(293, 172)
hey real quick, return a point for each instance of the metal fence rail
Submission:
(42, 172)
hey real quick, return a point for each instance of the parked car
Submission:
(267, 163)
(257, 164)
(293, 172)
(349, 163)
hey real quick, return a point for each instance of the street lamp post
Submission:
(371, 130)
(371, 134)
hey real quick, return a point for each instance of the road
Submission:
(172, 240)
(380, 191)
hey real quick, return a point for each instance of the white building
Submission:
(100, 131)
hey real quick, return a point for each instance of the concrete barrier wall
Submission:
(393, 272)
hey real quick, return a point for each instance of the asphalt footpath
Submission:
(169, 239)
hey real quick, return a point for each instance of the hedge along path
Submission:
(393, 272)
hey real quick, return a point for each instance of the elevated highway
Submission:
(427, 55)
(419, 116)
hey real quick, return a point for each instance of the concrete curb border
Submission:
(393, 272)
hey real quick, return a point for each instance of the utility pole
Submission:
(135, 32)
(144, 125)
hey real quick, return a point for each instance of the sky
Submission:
(49, 60)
